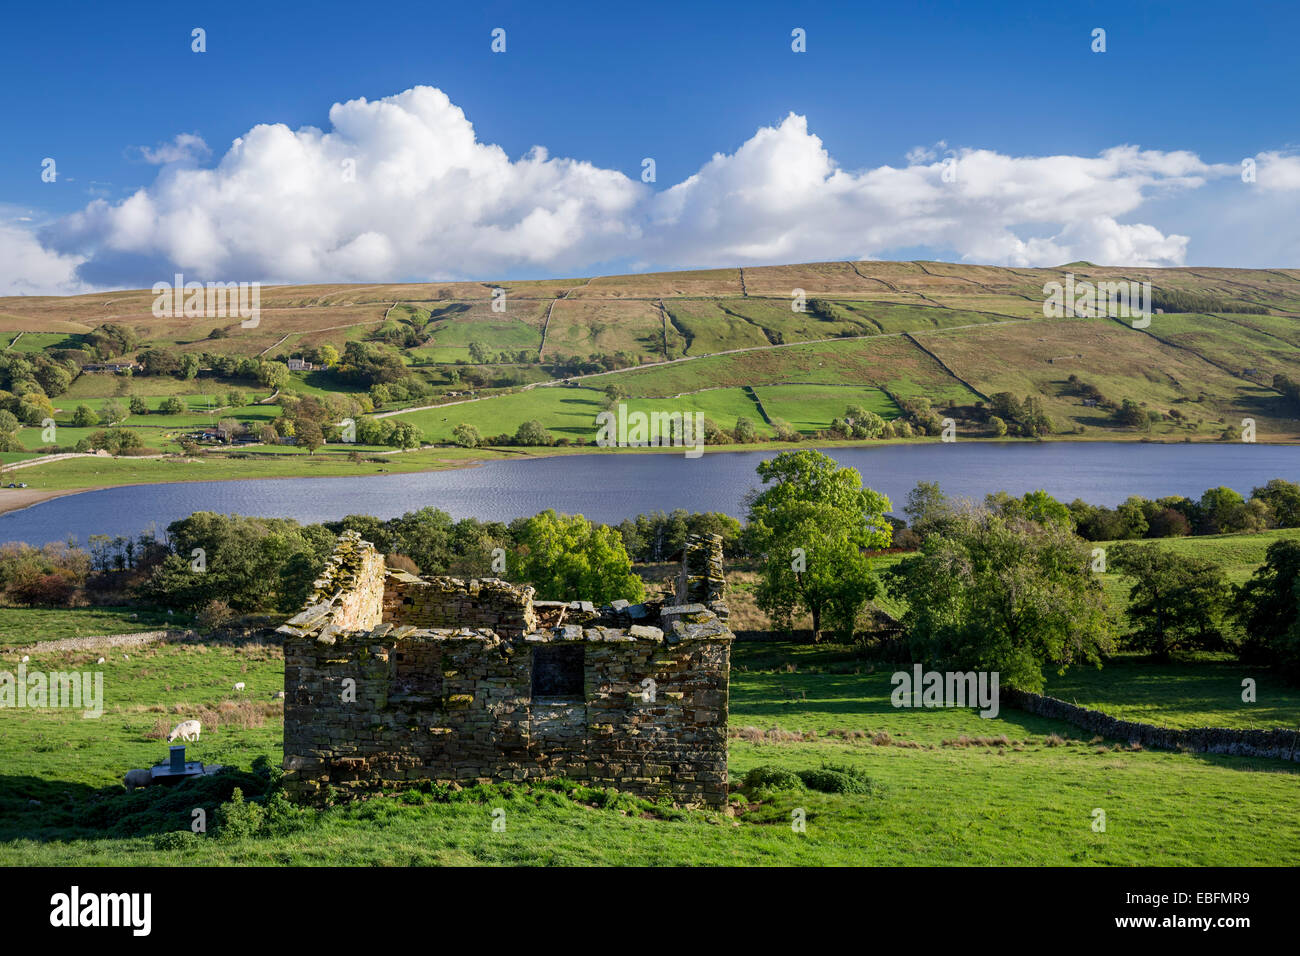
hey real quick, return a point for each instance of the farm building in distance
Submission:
(393, 679)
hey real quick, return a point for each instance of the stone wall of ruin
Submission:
(393, 703)
(452, 602)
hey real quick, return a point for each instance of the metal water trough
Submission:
(177, 767)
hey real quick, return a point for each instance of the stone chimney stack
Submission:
(702, 579)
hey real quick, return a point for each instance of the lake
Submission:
(611, 487)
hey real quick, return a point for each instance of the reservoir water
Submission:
(610, 487)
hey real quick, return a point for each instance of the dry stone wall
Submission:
(1279, 744)
(474, 681)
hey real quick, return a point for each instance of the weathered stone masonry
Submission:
(1277, 744)
(476, 681)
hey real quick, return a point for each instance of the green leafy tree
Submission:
(993, 593)
(138, 405)
(1037, 506)
(84, 417)
(370, 363)
(160, 361)
(254, 564)
(812, 526)
(53, 377)
(1176, 602)
(272, 374)
(1268, 609)
(564, 555)
(406, 435)
(1283, 500)
(466, 435)
(615, 394)
(172, 405)
(1223, 511)
(116, 441)
(9, 426)
(1133, 515)
(863, 423)
(1132, 415)
(1005, 405)
(309, 435)
(927, 508)
(533, 433)
(34, 407)
(114, 412)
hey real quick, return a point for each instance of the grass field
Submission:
(953, 788)
(811, 407)
(103, 472)
(1200, 691)
(585, 327)
(21, 626)
(571, 412)
(1239, 554)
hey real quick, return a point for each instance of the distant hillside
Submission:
(728, 342)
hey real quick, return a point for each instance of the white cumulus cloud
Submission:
(400, 188)
(28, 268)
(781, 197)
(184, 147)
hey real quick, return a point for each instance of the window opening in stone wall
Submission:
(557, 671)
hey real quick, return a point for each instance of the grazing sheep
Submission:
(137, 778)
(186, 730)
(279, 695)
(26, 658)
(100, 661)
(239, 686)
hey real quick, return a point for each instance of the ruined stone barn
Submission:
(392, 680)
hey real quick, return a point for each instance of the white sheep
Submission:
(239, 686)
(137, 778)
(26, 658)
(100, 661)
(186, 730)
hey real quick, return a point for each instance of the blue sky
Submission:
(91, 84)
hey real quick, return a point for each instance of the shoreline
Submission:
(8, 506)
(20, 499)
(13, 500)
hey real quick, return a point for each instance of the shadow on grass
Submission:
(1203, 692)
(64, 811)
